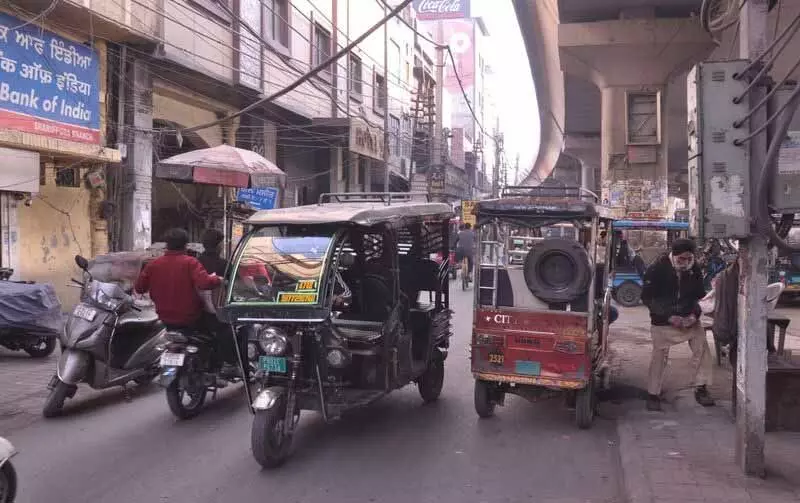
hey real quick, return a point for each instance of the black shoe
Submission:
(653, 403)
(703, 397)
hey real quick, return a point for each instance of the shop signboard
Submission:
(49, 85)
(365, 139)
(260, 199)
(468, 213)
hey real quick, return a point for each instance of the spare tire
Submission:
(557, 270)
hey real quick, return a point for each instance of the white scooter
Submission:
(8, 477)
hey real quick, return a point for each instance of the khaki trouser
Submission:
(666, 337)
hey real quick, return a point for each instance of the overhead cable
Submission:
(303, 78)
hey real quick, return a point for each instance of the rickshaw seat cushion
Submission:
(375, 298)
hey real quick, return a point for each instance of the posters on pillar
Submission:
(789, 155)
(49, 85)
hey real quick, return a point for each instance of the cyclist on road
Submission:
(465, 246)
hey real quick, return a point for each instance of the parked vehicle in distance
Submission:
(626, 279)
(30, 316)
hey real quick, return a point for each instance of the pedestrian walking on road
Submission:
(673, 287)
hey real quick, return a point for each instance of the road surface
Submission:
(396, 451)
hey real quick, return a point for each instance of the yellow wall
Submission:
(52, 231)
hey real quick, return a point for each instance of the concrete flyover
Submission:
(610, 79)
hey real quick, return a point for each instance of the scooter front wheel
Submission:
(8, 483)
(54, 403)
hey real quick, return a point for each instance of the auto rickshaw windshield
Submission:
(274, 269)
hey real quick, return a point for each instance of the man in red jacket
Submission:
(173, 281)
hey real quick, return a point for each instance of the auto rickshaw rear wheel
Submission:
(268, 438)
(431, 381)
(484, 399)
(585, 405)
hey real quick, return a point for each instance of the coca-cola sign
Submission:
(441, 9)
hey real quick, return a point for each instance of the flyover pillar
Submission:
(632, 61)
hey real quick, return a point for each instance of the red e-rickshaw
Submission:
(541, 326)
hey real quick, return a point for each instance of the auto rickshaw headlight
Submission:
(273, 341)
(337, 358)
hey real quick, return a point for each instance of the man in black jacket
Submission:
(673, 287)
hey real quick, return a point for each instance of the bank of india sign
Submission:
(49, 85)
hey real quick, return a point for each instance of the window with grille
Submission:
(379, 93)
(394, 135)
(322, 50)
(276, 22)
(356, 78)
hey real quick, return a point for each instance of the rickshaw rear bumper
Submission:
(267, 398)
(547, 382)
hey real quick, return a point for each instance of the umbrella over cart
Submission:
(225, 166)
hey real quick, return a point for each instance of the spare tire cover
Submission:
(557, 270)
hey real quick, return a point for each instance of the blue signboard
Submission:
(260, 199)
(49, 85)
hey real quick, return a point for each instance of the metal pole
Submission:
(386, 104)
(751, 361)
(498, 147)
(436, 158)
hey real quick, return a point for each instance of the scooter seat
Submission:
(144, 317)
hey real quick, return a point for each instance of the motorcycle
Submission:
(8, 476)
(191, 367)
(30, 316)
(107, 341)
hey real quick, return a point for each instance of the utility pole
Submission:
(386, 166)
(498, 150)
(751, 361)
(435, 169)
(516, 170)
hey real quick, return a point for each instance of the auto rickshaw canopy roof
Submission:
(359, 209)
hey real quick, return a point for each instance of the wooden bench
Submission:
(774, 321)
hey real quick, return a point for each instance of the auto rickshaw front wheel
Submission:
(430, 383)
(269, 440)
(585, 405)
(484, 399)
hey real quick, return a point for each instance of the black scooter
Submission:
(107, 342)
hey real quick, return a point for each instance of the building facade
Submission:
(94, 94)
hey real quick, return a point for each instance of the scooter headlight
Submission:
(273, 341)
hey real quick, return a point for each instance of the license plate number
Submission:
(172, 359)
(527, 368)
(272, 363)
(85, 312)
(496, 358)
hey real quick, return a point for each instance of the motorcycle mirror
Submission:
(81, 262)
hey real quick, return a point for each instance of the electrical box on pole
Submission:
(785, 190)
(719, 171)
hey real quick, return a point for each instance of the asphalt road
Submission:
(397, 450)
